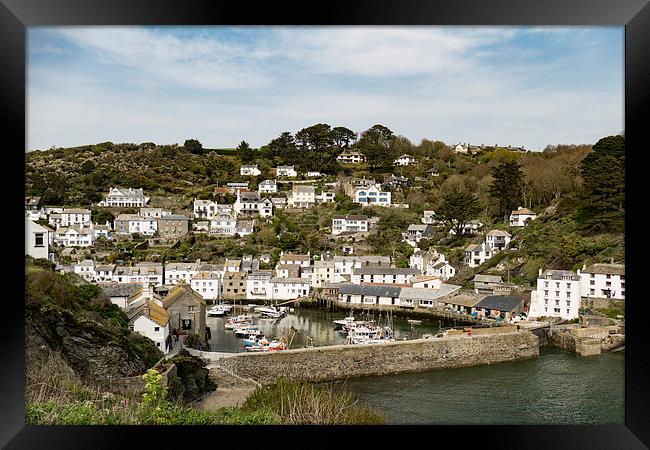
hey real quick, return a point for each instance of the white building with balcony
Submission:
(286, 171)
(249, 170)
(302, 197)
(267, 187)
(121, 197)
(521, 217)
(207, 284)
(258, 285)
(405, 160)
(349, 224)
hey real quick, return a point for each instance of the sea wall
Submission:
(343, 361)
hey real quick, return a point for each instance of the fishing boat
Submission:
(254, 339)
(233, 322)
(271, 312)
(247, 330)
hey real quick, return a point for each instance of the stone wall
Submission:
(343, 361)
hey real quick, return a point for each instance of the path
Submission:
(231, 390)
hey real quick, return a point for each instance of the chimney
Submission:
(611, 260)
(540, 272)
(584, 266)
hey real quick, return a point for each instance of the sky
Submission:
(520, 86)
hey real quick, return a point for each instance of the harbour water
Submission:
(559, 387)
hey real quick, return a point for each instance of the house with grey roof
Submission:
(415, 232)
(503, 306)
(498, 239)
(557, 295)
(383, 275)
(602, 280)
(125, 197)
(349, 224)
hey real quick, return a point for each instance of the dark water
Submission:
(559, 387)
(310, 323)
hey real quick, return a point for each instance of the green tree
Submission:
(506, 186)
(375, 144)
(87, 166)
(603, 172)
(193, 146)
(342, 136)
(315, 143)
(457, 208)
(245, 152)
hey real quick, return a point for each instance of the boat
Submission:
(370, 335)
(233, 322)
(253, 340)
(216, 310)
(271, 312)
(343, 322)
(248, 330)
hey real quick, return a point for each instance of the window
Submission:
(568, 294)
(591, 275)
(591, 291)
(156, 328)
(567, 311)
(557, 303)
(592, 282)
(568, 302)
(545, 292)
(557, 310)
(38, 240)
(608, 276)
(190, 309)
(557, 293)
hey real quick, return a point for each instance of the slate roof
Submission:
(385, 271)
(358, 217)
(558, 274)
(500, 302)
(524, 211)
(428, 294)
(462, 300)
(177, 292)
(119, 289)
(481, 278)
(600, 268)
(498, 233)
(374, 290)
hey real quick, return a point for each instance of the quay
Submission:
(462, 348)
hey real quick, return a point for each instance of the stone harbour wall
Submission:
(343, 361)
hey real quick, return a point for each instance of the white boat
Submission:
(216, 310)
(233, 322)
(248, 330)
(343, 322)
(271, 311)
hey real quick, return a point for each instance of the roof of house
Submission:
(462, 300)
(473, 247)
(76, 211)
(290, 280)
(417, 227)
(205, 275)
(105, 267)
(422, 278)
(500, 302)
(157, 313)
(405, 156)
(368, 258)
(304, 189)
(523, 211)
(294, 257)
(178, 291)
(481, 278)
(286, 167)
(87, 263)
(558, 274)
(174, 217)
(358, 217)
(428, 294)
(119, 289)
(602, 268)
(498, 233)
(384, 290)
(385, 271)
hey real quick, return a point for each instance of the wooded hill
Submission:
(578, 190)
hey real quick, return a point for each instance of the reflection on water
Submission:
(315, 324)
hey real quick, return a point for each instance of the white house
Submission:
(207, 284)
(372, 196)
(120, 197)
(521, 216)
(442, 269)
(286, 171)
(86, 270)
(314, 174)
(205, 209)
(244, 227)
(349, 224)
(344, 265)
(249, 170)
(498, 240)
(289, 288)
(426, 281)
(557, 295)
(461, 148)
(38, 240)
(429, 218)
(265, 207)
(325, 197)
(350, 158)
(74, 216)
(104, 272)
(223, 224)
(476, 254)
(304, 261)
(102, 231)
(144, 273)
(176, 272)
(258, 285)
(416, 232)
(74, 236)
(134, 223)
(383, 275)
(302, 197)
(405, 160)
(603, 281)
(432, 263)
(151, 320)
(267, 187)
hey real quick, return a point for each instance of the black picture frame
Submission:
(16, 15)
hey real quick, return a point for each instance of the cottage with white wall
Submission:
(289, 288)
(259, 285)
(249, 170)
(387, 275)
(74, 236)
(405, 160)
(38, 240)
(344, 265)
(134, 223)
(267, 187)
(350, 158)
(207, 284)
(476, 254)
(286, 171)
(557, 295)
(498, 240)
(152, 321)
(603, 281)
(86, 270)
(521, 217)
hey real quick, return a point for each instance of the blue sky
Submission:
(529, 86)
